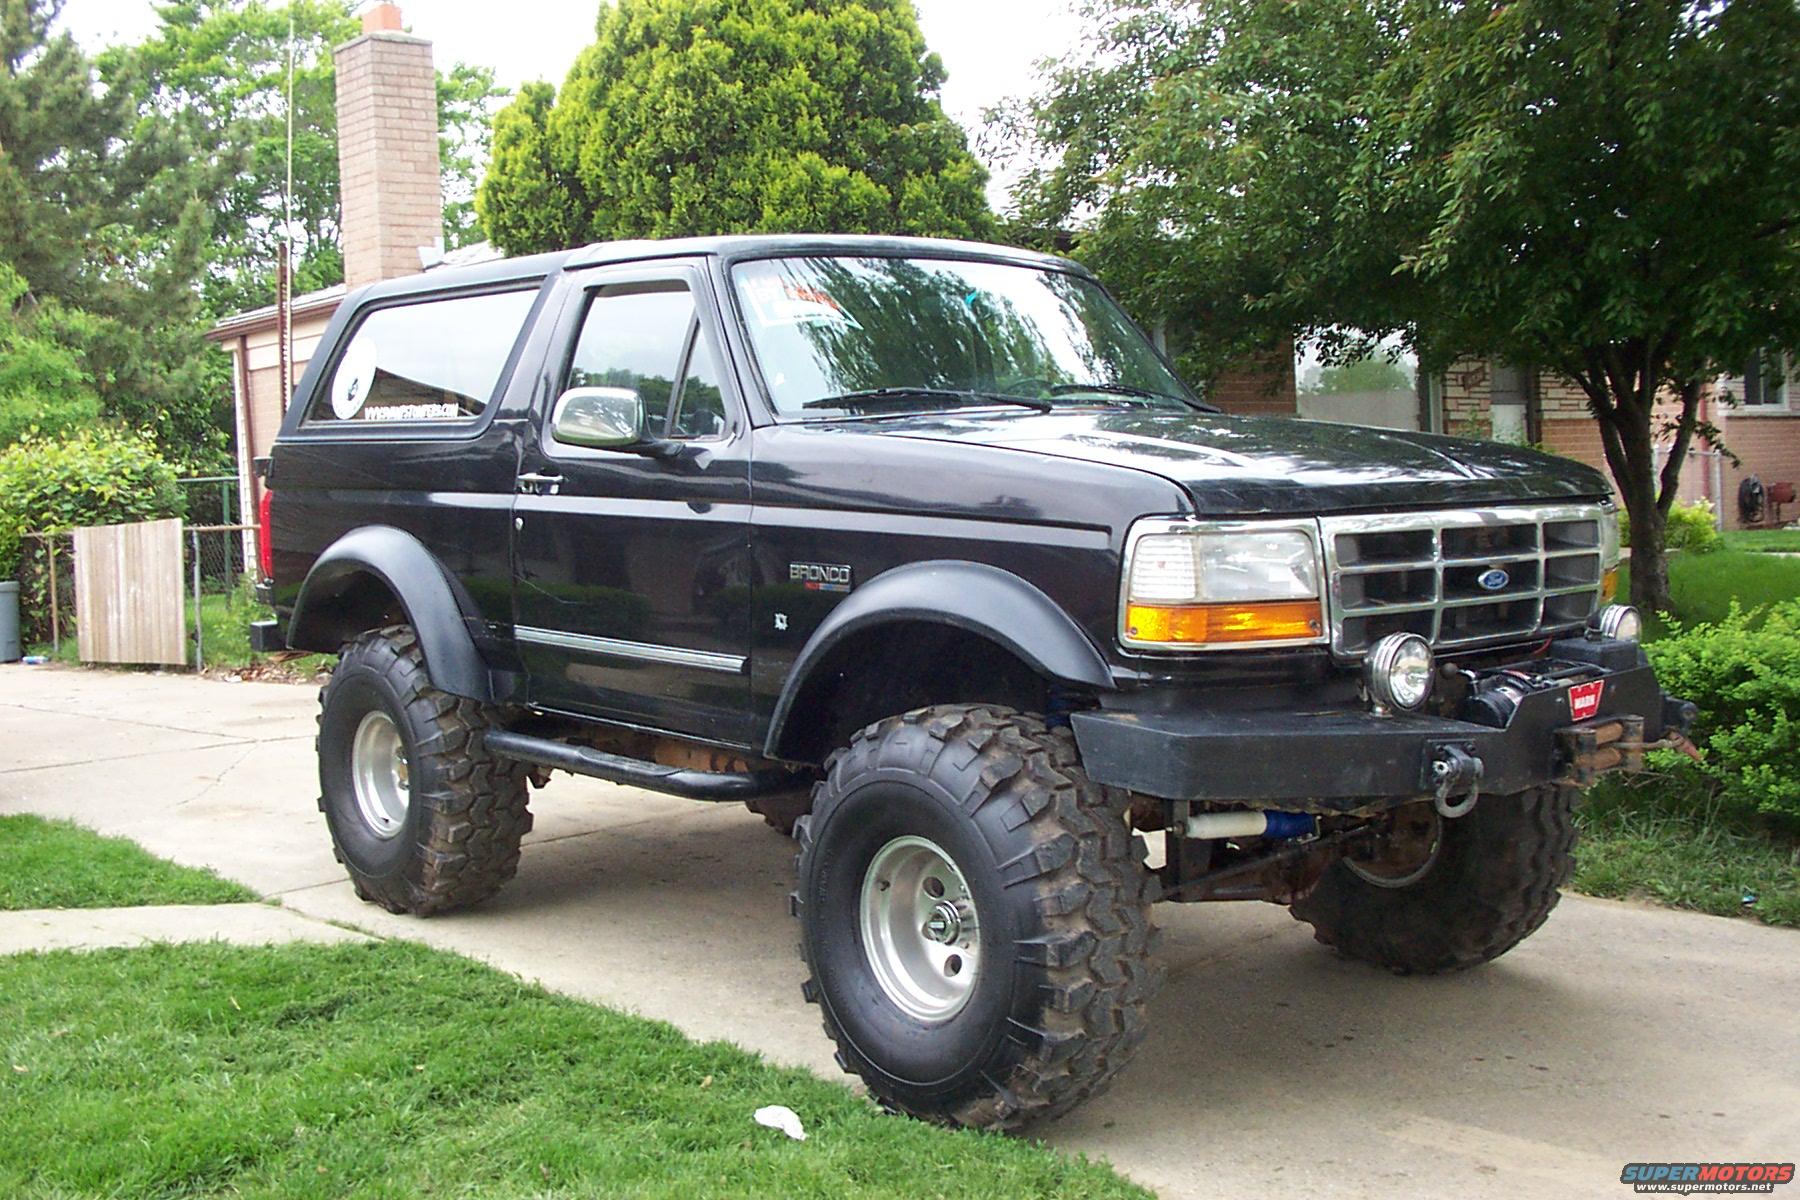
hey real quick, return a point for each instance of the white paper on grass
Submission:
(780, 1116)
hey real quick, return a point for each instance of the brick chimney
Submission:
(387, 149)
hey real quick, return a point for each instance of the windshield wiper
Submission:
(904, 397)
(1123, 389)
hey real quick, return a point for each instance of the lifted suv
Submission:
(924, 552)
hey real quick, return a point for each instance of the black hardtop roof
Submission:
(730, 248)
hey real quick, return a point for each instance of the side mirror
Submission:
(601, 418)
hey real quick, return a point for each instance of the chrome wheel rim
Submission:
(380, 775)
(920, 930)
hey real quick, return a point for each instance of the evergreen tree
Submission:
(102, 219)
(726, 116)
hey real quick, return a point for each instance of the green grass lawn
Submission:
(1766, 541)
(57, 864)
(1636, 844)
(392, 1070)
(1702, 586)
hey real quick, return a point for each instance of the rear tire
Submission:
(1024, 996)
(421, 815)
(1489, 883)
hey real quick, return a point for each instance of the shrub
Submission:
(99, 476)
(1744, 673)
(1691, 527)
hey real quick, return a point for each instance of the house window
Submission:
(1507, 398)
(1768, 382)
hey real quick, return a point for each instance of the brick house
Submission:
(1758, 414)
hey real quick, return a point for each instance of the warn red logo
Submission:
(1584, 699)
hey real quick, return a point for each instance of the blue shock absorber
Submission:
(1286, 825)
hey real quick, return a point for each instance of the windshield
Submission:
(838, 336)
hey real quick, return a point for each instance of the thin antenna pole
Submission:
(284, 280)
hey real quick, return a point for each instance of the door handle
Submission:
(537, 484)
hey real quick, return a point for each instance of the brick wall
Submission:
(1562, 399)
(1260, 386)
(1769, 445)
(387, 154)
(1767, 441)
(1467, 385)
(1574, 437)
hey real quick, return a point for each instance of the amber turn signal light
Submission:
(1609, 585)
(1191, 624)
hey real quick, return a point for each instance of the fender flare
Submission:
(400, 563)
(971, 596)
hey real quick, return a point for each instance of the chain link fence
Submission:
(218, 584)
(219, 537)
(213, 500)
(46, 578)
(221, 599)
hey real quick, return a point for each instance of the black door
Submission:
(632, 599)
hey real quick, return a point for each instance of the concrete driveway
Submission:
(1619, 1033)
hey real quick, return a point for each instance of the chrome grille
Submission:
(1439, 574)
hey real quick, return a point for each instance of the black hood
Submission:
(1233, 466)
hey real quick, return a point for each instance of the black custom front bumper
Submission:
(1513, 730)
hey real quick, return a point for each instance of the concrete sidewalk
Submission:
(1619, 1033)
(100, 928)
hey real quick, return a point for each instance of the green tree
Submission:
(1373, 374)
(98, 476)
(218, 71)
(101, 215)
(44, 388)
(723, 116)
(1602, 189)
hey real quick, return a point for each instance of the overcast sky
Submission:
(989, 47)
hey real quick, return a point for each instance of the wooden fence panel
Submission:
(129, 595)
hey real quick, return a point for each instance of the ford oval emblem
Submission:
(1494, 580)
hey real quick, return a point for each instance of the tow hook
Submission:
(1455, 772)
(1674, 739)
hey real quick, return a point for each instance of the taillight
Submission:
(265, 548)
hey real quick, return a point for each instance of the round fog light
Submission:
(1621, 622)
(1398, 671)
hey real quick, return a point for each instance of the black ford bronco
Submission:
(922, 550)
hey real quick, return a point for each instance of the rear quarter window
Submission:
(436, 361)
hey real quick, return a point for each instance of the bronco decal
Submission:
(821, 577)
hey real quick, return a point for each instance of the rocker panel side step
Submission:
(616, 768)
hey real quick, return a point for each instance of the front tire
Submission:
(1477, 886)
(422, 816)
(975, 918)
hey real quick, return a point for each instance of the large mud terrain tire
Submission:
(422, 816)
(1488, 882)
(975, 917)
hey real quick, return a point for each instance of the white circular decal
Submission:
(355, 376)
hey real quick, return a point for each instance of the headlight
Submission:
(1610, 554)
(1398, 672)
(1620, 621)
(1196, 585)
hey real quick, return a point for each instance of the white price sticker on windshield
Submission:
(787, 302)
